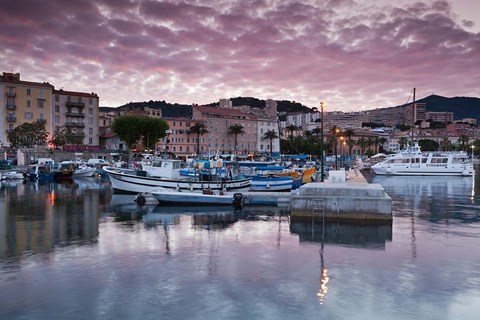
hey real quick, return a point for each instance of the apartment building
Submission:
(21, 102)
(26, 101)
(79, 113)
(217, 121)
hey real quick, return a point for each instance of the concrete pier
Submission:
(350, 199)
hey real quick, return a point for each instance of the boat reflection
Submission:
(124, 208)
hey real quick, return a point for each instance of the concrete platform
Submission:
(352, 199)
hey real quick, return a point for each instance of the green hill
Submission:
(462, 107)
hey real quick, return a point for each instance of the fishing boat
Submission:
(272, 178)
(204, 197)
(49, 171)
(412, 161)
(165, 173)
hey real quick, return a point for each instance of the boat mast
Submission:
(414, 116)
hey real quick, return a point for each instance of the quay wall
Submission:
(354, 200)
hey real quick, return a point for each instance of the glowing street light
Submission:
(322, 105)
(337, 131)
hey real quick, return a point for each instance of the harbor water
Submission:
(78, 251)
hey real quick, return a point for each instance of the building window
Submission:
(29, 92)
(69, 99)
(90, 101)
(90, 121)
(90, 130)
(41, 93)
(57, 119)
(80, 99)
(41, 116)
(57, 108)
(40, 103)
(57, 98)
(90, 111)
(28, 116)
(90, 140)
(29, 103)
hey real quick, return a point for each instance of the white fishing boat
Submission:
(204, 197)
(84, 171)
(166, 173)
(412, 161)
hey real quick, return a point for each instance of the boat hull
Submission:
(279, 183)
(129, 182)
(191, 198)
(402, 171)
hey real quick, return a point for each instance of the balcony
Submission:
(75, 114)
(75, 104)
(11, 106)
(11, 94)
(78, 134)
(75, 124)
(11, 118)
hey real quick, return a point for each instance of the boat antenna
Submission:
(414, 116)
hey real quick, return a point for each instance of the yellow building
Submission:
(23, 101)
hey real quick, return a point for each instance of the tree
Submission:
(270, 135)
(362, 142)
(382, 142)
(349, 133)
(428, 145)
(291, 128)
(199, 129)
(28, 134)
(236, 129)
(152, 130)
(463, 139)
(127, 128)
(58, 138)
(403, 141)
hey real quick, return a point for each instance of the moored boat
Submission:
(166, 173)
(204, 197)
(412, 161)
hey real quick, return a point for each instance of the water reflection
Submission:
(37, 217)
(419, 196)
(355, 235)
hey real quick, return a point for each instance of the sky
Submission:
(352, 55)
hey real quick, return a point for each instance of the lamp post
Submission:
(342, 143)
(321, 144)
(473, 154)
(337, 130)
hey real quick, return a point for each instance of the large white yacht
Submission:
(412, 161)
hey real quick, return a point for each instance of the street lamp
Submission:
(473, 154)
(342, 143)
(337, 131)
(321, 145)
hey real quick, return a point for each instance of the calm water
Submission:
(75, 251)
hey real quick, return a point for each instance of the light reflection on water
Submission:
(77, 251)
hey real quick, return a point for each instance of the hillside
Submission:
(462, 107)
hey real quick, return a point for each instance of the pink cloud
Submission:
(346, 53)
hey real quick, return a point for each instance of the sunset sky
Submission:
(353, 55)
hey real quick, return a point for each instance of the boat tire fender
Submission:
(140, 200)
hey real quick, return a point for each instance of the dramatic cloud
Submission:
(351, 54)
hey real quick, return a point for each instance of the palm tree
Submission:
(270, 135)
(382, 142)
(463, 139)
(403, 141)
(362, 142)
(291, 128)
(236, 129)
(199, 129)
(349, 133)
